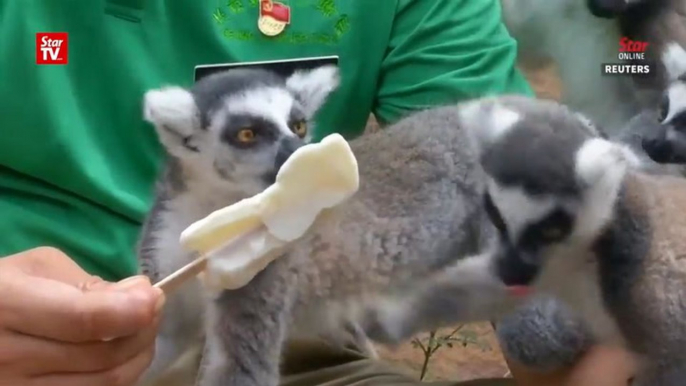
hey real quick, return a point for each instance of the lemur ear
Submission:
(674, 60)
(174, 113)
(602, 161)
(485, 121)
(312, 87)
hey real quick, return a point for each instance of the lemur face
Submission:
(667, 144)
(238, 127)
(551, 179)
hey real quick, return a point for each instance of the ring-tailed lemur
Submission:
(580, 35)
(416, 211)
(577, 220)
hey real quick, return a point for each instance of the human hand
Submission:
(60, 326)
(600, 366)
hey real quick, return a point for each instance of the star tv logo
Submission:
(633, 52)
(52, 48)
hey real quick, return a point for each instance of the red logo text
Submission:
(52, 48)
(628, 45)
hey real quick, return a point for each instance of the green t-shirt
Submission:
(77, 162)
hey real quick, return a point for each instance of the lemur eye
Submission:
(553, 228)
(664, 108)
(552, 233)
(300, 128)
(246, 135)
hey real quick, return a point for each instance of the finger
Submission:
(124, 285)
(35, 356)
(124, 375)
(49, 309)
(51, 263)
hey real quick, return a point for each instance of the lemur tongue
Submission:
(519, 290)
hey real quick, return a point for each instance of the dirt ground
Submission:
(478, 360)
(485, 359)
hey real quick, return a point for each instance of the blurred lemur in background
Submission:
(660, 130)
(578, 36)
(418, 209)
(665, 142)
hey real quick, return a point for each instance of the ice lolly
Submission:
(238, 241)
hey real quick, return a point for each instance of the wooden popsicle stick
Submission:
(173, 281)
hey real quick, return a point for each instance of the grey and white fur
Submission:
(578, 220)
(579, 35)
(544, 333)
(417, 211)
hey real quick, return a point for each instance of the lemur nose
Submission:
(287, 146)
(516, 267)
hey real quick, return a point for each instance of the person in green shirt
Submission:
(77, 162)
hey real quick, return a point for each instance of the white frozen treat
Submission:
(242, 239)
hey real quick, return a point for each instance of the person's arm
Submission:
(445, 51)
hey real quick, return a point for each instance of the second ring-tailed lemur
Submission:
(417, 210)
(577, 219)
(579, 36)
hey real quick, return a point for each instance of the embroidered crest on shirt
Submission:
(274, 17)
(227, 11)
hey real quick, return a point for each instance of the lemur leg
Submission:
(180, 329)
(246, 331)
(360, 340)
(352, 336)
(466, 292)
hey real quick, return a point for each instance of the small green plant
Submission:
(460, 335)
